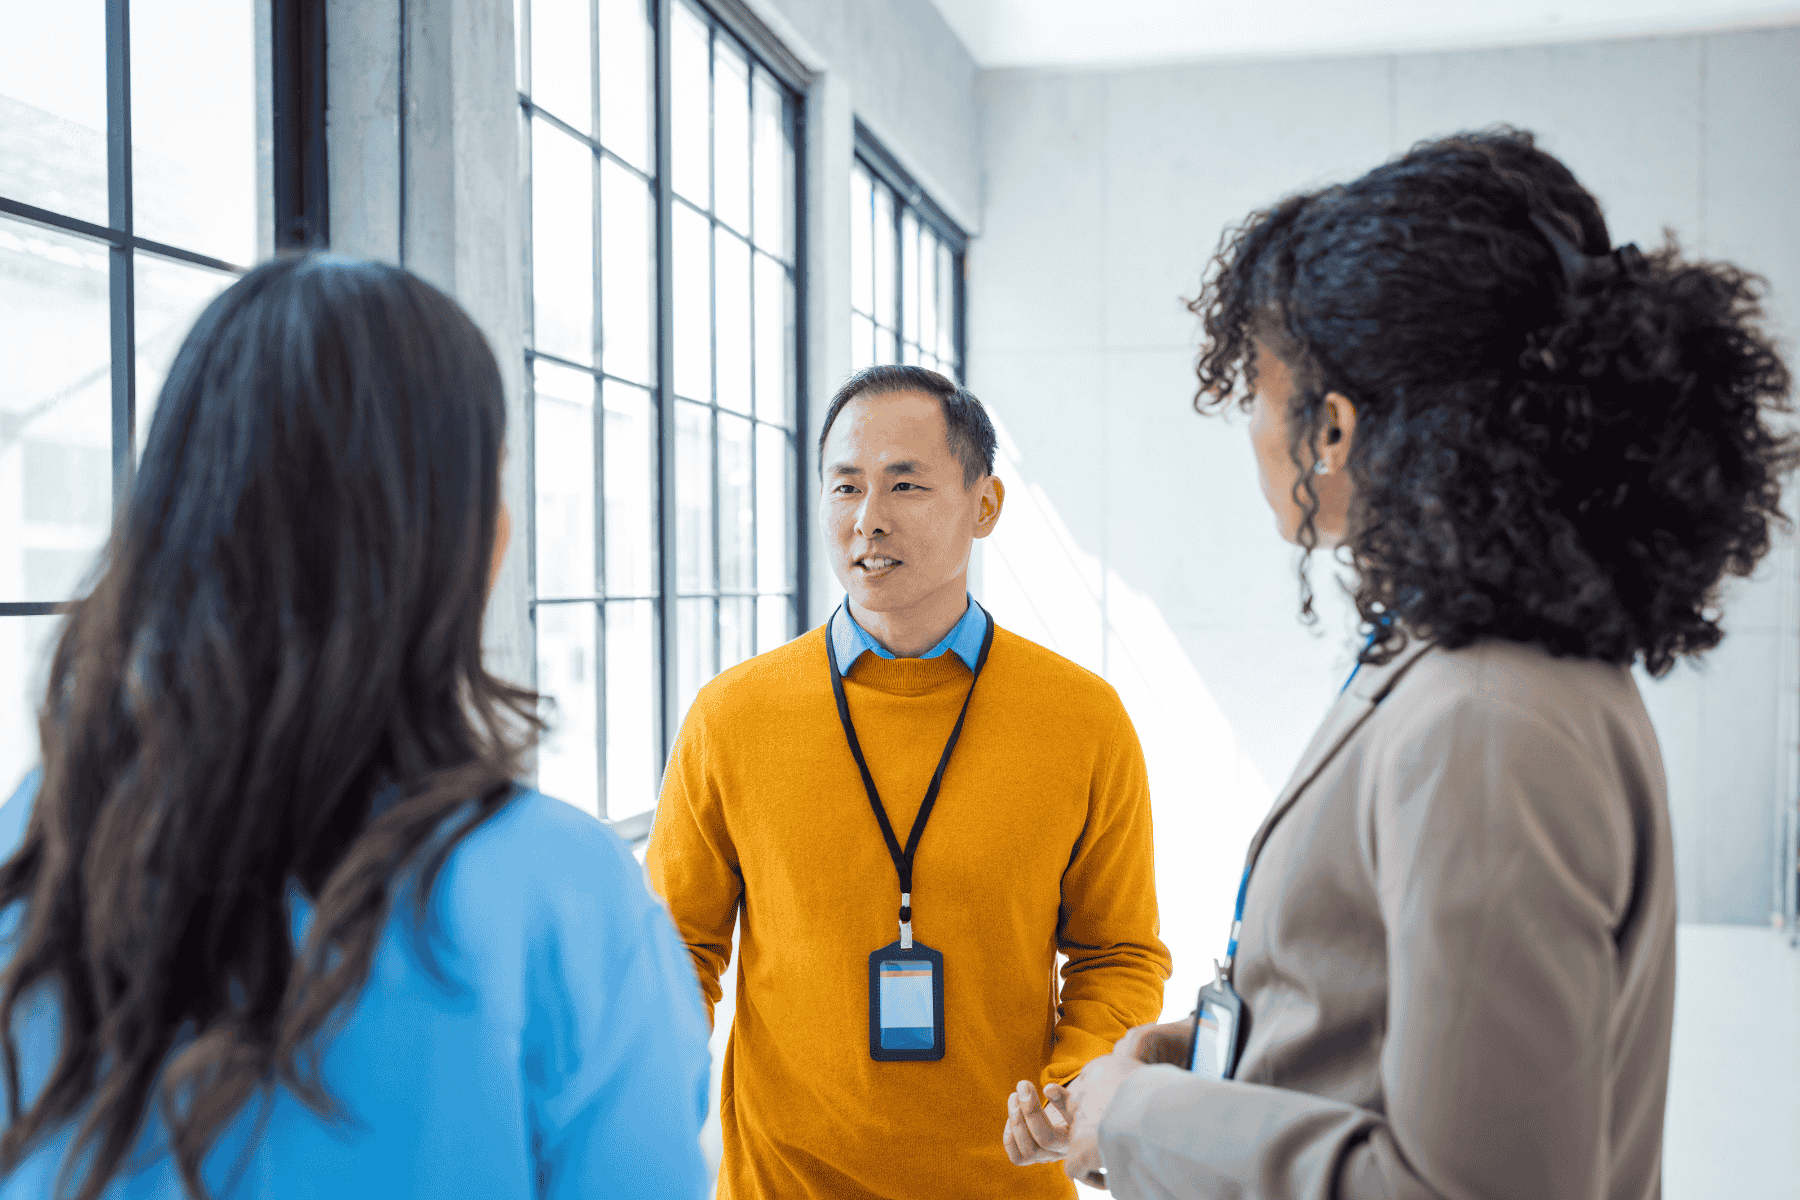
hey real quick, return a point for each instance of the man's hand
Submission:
(1036, 1133)
(1089, 1099)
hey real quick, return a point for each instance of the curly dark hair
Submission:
(1569, 458)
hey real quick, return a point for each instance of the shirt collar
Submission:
(850, 640)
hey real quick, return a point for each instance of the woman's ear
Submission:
(1339, 433)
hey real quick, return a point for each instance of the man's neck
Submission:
(910, 632)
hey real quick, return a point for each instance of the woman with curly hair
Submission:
(1452, 970)
(278, 920)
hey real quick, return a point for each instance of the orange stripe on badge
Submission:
(888, 973)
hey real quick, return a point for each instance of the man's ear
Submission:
(993, 499)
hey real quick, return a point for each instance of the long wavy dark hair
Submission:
(1544, 453)
(287, 621)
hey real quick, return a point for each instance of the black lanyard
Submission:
(903, 859)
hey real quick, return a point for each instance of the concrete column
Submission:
(423, 131)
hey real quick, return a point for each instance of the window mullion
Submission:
(122, 273)
(667, 623)
(598, 411)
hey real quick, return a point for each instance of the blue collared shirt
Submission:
(849, 640)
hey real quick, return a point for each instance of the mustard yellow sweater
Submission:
(1039, 843)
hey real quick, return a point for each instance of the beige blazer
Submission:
(1458, 955)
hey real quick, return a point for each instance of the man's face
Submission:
(897, 519)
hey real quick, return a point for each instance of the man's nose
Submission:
(870, 517)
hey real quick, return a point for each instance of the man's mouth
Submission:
(874, 564)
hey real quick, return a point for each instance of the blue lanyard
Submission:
(1237, 916)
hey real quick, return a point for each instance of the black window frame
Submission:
(297, 35)
(734, 19)
(881, 165)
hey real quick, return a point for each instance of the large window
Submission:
(129, 197)
(660, 158)
(906, 269)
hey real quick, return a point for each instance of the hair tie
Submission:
(1577, 267)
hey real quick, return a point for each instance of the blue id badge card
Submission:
(1218, 1030)
(906, 1004)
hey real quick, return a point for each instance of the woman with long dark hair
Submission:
(279, 921)
(1452, 970)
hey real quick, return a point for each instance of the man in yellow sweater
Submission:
(911, 811)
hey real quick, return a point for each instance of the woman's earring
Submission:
(1321, 467)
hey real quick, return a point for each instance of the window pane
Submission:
(55, 411)
(731, 135)
(170, 297)
(737, 513)
(691, 101)
(25, 647)
(737, 630)
(562, 244)
(693, 498)
(568, 659)
(909, 354)
(862, 342)
(772, 627)
(627, 274)
(693, 304)
(946, 303)
(625, 75)
(909, 276)
(53, 109)
(732, 315)
(774, 149)
(562, 77)
(564, 473)
(885, 285)
(774, 342)
(862, 247)
(775, 484)
(928, 292)
(193, 125)
(694, 651)
(630, 491)
(633, 754)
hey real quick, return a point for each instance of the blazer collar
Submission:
(1370, 687)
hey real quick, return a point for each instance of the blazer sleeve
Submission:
(1108, 929)
(691, 861)
(1503, 868)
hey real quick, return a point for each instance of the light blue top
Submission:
(849, 640)
(564, 1055)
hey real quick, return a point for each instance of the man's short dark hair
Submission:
(971, 433)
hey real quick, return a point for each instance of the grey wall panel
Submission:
(1106, 194)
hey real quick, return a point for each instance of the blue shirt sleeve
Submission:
(616, 1056)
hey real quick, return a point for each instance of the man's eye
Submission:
(904, 484)
(844, 487)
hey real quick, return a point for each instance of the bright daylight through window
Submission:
(665, 519)
(128, 199)
(906, 270)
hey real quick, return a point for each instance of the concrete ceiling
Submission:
(1038, 33)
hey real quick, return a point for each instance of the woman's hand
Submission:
(1092, 1094)
(1036, 1133)
(1170, 1043)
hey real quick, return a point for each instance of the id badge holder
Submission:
(906, 1004)
(1219, 1029)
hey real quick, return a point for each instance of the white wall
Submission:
(1135, 539)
